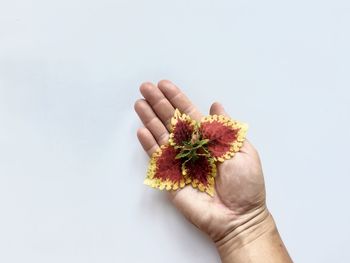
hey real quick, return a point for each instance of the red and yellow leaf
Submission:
(164, 171)
(182, 128)
(200, 173)
(225, 136)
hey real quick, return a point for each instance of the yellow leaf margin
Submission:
(237, 144)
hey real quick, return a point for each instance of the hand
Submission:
(239, 204)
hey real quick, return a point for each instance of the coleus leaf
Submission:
(193, 150)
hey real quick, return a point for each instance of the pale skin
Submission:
(236, 218)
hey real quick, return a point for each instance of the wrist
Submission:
(255, 232)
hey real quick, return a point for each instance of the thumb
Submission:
(218, 109)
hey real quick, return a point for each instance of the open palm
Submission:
(239, 185)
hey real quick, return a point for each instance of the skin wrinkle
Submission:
(239, 229)
(159, 104)
(163, 138)
(176, 97)
(159, 101)
(189, 110)
(148, 123)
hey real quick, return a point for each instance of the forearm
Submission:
(255, 241)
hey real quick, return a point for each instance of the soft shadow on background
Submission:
(71, 169)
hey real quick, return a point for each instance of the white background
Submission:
(71, 169)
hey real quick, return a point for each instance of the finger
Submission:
(218, 109)
(151, 121)
(178, 99)
(160, 104)
(147, 140)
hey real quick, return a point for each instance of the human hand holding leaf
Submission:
(239, 186)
